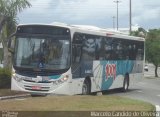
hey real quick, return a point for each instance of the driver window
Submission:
(76, 48)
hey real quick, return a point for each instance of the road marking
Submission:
(142, 83)
(158, 95)
(20, 99)
(158, 110)
(139, 91)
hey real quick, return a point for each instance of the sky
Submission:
(145, 13)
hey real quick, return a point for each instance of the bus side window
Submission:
(140, 52)
(76, 53)
(132, 51)
(99, 50)
(89, 47)
(119, 51)
(108, 49)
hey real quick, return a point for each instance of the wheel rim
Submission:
(84, 89)
(125, 85)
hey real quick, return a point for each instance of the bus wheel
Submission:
(86, 87)
(125, 83)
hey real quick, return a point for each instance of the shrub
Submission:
(5, 78)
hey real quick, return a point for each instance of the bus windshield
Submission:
(51, 53)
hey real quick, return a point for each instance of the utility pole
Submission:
(130, 17)
(113, 22)
(117, 2)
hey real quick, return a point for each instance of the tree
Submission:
(8, 20)
(139, 33)
(153, 48)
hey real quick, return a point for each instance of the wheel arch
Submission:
(88, 78)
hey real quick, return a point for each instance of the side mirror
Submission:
(11, 43)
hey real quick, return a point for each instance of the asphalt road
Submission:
(147, 90)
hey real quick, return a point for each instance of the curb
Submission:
(15, 96)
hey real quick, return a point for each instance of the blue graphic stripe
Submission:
(122, 67)
(55, 77)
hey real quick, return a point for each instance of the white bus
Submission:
(72, 59)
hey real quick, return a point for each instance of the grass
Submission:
(72, 106)
(76, 103)
(8, 92)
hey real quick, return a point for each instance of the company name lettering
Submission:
(111, 71)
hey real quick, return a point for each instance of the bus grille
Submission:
(37, 88)
(37, 82)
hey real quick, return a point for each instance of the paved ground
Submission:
(147, 90)
(151, 71)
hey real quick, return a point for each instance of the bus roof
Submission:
(92, 30)
(106, 32)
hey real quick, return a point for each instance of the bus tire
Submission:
(125, 83)
(86, 88)
(38, 95)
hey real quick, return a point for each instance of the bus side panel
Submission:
(109, 74)
(137, 72)
(114, 72)
(16, 86)
(97, 79)
(118, 82)
(76, 85)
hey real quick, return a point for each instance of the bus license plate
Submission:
(36, 87)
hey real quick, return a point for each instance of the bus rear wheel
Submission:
(86, 87)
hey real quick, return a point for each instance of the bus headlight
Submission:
(62, 80)
(18, 79)
(65, 78)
